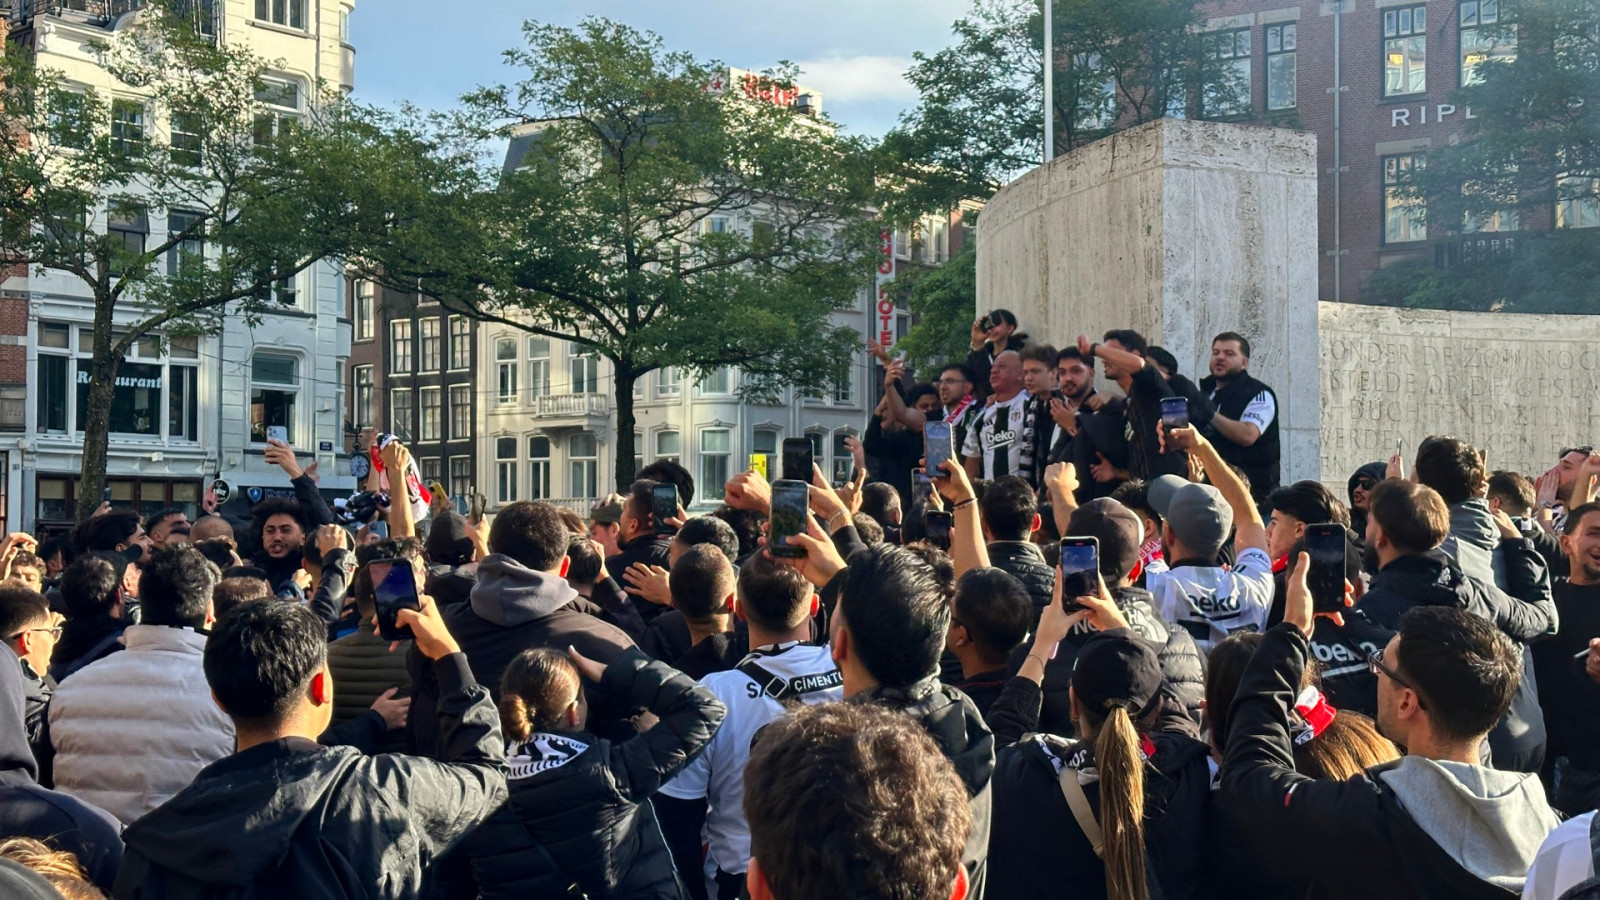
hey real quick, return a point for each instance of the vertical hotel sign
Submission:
(884, 310)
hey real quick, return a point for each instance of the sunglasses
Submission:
(1366, 484)
(1376, 664)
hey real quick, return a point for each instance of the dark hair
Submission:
(1008, 508)
(102, 534)
(90, 586)
(1307, 501)
(26, 559)
(746, 525)
(1575, 517)
(1466, 670)
(1039, 353)
(867, 528)
(275, 506)
(535, 690)
(944, 568)
(1072, 354)
(920, 390)
(854, 800)
(1224, 670)
(896, 613)
(773, 596)
(1135, 495)
(709, 530)
(220, 550)
(959, 368)
(1162, 358)
(170, 512)
(1514, 491)
(20, 608)
(1412, 515)
(1452, 467)
(175, 586)
(669, 472)
(880, 501)
(406, 548)
(1131, 341)
(993, 606)
(310, 553)
(261, 656)
(641, 501)
(530, 532)
(238, 589)
(701, 581)
(1005, 316)
(584, 564)
(1236, 337)
(60, 545)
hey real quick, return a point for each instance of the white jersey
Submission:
(717, 774)
(1211, 602)
(1260, 411)
(1565, 860)
(1005, 429)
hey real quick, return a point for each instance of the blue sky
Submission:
(854, 53)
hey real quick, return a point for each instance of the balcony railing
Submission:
(104, 12)
(570, 405)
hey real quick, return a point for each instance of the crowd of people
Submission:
(638, 704)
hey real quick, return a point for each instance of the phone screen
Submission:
(1326, 546)
(664, 506)
(1080, 566)
(797, 460)
(790, 501)
(938, 525)
(936, 447)
(1175, 412)
(921, 487)
(394, 587)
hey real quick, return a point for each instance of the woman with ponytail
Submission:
(578, 819)
(1119, 812)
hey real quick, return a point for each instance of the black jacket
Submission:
(1101, 433)
(450, 585)
(86, 640)
(513, 609)
(292, 818)
(584, 799)
(1352, 838)
(1024, 561)
(36, 695)
(652, 550)
(1570, 698)
(1259, 460)
(1037, 848)
(897, 453)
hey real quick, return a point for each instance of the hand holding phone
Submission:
(797, 459)
(1327, 547)
(1174, 412)
(1080, 570)
(278, 433)
(394, 587)
(791, 501)
(938, 445)
(664, 506)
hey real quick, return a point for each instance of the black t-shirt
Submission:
(1145, 459)
(1569, 697)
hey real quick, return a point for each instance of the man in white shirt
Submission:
(1191, 590)
(777, 603)
(1000, 441)
(1566, 859)
(1245, 425)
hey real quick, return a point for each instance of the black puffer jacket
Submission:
(1024, 561)
(584, 799)
(652, 550)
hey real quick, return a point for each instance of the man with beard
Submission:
(280, 524)
(1081, 434)
(1039, 380)
(956, 403)
(1123, 356)
(1245, 426)
(1569, 696)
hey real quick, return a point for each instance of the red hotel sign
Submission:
(885, 307)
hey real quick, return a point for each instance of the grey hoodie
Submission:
(1474, 542)
(509, 593)
(1491, 822)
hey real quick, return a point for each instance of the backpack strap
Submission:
(779, 688)
(1078, 802)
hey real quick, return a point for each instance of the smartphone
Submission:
(1326, 546)
(664, 506)
(987, 322)
(938, 525)
(105, 495)
(791, 502)
(394, 587)
(937, 446)
(1080, 570)
(278, 433)
(1400, 454)
(475, 504)
(797, 461)
(1174, 412)
(921, 487)
(379, 529)
(758, 464)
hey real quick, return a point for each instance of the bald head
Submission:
(1005, 376)
(210, 527)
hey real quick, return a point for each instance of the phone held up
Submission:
(394, 587)
(1327, 547)
(278, 433)
(797, 461)
(1080, 570)
(791, 501)
(664, 506)
(937, 446)
(1174, 412)
(939, 525)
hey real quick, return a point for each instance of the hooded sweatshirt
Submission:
(1474, 541)
(1358, 517)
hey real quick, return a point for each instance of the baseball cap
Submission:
(1196, 513)
(1117, 529)
(447, 542)
(607, 513)
(1114, 668)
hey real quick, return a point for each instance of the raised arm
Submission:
(1249, 531)
(1122, 359)
(396, 459)
(1061, 482)
(688, 714)
(913, 419)
(967, 548)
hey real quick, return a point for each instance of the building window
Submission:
(1095, 109)
(1281, 67)
(1578, 201)
(668, 446)
(127, 227)
(460, 412)
(187, 142)
(69, 124)
(583, 465)
(402, 420)
(1484, 38)
(717, 384)
(361, 394)
(1230, 94)
(585, 371)
(460, 476)
(1402, 215)
(432, 344)
(127, 127)
(400, 347)
(274, 384)
(288, 13)
(765, 440)
(432, 403)
(282, 291)
(278, 108)
(52, 376)
(366, 311)
(505, 470)
(842, 461)
(538, 366)
(1405, 51)
(154, 385)
(539, 466)
(428, 468)
(714, 453)
(460, 342)
(188, 230)
(667, 383)
(717, 225)
(844, 390)
(505, 356)
(638, 451)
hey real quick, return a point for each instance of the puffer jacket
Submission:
(585, 799)
(363, 668)
(1025, 561)
(135, 728)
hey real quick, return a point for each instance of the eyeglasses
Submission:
(55, 633)
(1375, 663)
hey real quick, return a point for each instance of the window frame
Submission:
(1287, 33)
(655, 445)
(129, 135)
(362, 394)
(400, 363)
(1225, 51)
(462, 341)
(1385, 187)
(1463, 71)
(290, 387)
(129, 220)
(712, 485)
(506, 469)
(590, 463)
(1408, 31)
(402, 413)
(507, 373)
(193, 248)
(430, 413)
(281, 13)
(364, 315)
(430, 346)
(460, 412)
(668, 387)
(539, 467)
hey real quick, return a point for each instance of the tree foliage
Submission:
(942, 299)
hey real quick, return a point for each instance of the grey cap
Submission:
(1198, 514)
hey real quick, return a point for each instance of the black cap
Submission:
(1116, 669)
(1118, 530)
(447, 542)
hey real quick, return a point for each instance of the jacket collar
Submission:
(163, 637)
(1014, 549)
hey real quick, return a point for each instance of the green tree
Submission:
(942, 299)
(652, 214)
(253, 198)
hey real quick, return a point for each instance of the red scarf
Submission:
(955, 414)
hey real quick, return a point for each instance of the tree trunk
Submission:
(97, 412)
(624, 378)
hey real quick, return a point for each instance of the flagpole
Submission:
(1049, 81)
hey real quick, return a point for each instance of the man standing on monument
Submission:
(1122, 356)
(1245, 427)
(1000, 441)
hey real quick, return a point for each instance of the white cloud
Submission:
(858, 79)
